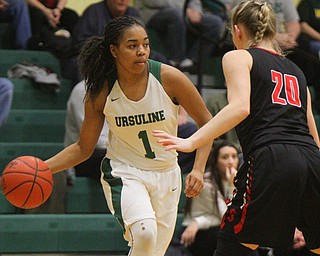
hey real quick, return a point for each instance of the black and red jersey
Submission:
(278, 104)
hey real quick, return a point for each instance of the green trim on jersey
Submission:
(116, 188)
(155, 69)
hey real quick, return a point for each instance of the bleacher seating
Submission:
(34, 125)
(26, 96)
(88, 191)
(52, 233)
(36, 121)
(10, 57)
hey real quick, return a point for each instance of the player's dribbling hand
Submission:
(194, 184)
(171, 142)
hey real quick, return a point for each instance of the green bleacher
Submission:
(56, 233)
(90, 193)
(36, 121)
(21, 122)
(26, 96)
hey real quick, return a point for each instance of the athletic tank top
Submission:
(131, 123)
(278, 104)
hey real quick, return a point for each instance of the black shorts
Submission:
(277, 189)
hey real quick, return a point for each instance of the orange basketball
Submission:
(27, 182)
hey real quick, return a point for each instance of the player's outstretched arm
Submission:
(171, 142)
(183, 92)
(89, 135)
(236, 66)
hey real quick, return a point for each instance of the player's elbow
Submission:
(85, 152)
(243, 111)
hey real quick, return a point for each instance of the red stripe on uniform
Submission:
(238, 227)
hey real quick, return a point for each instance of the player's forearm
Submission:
(222, 122)
(67, 158)
(202, 157)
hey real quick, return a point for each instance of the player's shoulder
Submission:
(237, 58)
(236, 54)
(168, 71)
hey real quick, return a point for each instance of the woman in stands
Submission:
(141, 181)
(203, 213)
(278, 186)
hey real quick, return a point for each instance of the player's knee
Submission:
(144, 234)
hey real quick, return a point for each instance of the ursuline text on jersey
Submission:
(153, 117)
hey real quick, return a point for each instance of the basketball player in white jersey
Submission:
(141, 181)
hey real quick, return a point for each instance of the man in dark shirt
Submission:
(96, 16)
(92, 23)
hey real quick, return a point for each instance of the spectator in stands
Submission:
(203, 214)
(309, 11)
(6, 94)
(95, 17)
(167, 19)
(52, 15)
(52, 27)
(92, 23)
(16, 13)
(206, 27)
(74, 119)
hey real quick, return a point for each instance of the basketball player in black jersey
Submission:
(278, 186)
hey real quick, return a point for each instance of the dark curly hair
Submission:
(95, 60)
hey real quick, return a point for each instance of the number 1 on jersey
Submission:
(144, 136)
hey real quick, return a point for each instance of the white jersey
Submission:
(131, 124)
